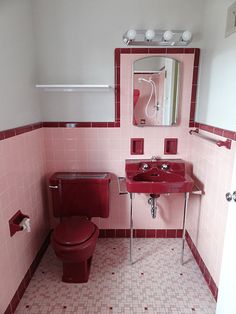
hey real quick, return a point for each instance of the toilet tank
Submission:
(80, 194)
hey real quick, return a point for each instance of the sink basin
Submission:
(157, 177)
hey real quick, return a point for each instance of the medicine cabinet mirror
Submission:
(155, 91)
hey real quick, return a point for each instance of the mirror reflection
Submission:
(155, 91)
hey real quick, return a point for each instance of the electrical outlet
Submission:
(231, 20)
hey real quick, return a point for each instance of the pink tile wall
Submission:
(105, 149)
(22, 168)
(207, 214)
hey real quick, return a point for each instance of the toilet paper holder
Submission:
(14, 222)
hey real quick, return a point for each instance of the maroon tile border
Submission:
(194, 86)
(61, 124)
(141, 233)
(5, 134)
(19, 130)
(211, 129)
(24, 283)
(206, 274)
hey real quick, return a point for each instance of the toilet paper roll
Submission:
(25, 224)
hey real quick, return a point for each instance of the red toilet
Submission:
(76, 198)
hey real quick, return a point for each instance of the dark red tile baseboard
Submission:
(24, 283)
(141, 233)
(206, 274)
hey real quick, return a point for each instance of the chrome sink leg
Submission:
(186, 198)
(131, 228)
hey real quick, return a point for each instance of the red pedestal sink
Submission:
(157, 177)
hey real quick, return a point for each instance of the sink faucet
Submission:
(153, 158)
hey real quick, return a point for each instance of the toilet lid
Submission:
(73, 231)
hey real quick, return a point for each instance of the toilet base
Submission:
(76, 272)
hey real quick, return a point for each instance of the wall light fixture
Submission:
(152, 37)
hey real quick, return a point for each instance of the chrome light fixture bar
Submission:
(152, 37)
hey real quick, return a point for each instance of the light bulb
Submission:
(168, 35)
(186, 36)
(131, 34)
(150, 34)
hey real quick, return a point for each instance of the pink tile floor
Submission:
(155, 283)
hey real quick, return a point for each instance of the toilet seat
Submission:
(73, 231)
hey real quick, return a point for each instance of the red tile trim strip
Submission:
(5, 134)
(211, 129)
(206, 274)
(24, 283)
(141, 233)
(19, 130)
(61, 124)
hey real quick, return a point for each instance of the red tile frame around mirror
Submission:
(196, 52)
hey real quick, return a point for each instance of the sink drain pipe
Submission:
(153, 203)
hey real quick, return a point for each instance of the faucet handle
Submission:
(165, 166)
(145, 166)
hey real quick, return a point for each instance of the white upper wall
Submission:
(75, 43)
(18, 105)
(216, 103)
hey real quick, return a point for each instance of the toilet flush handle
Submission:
(53, 186)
